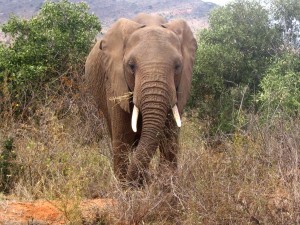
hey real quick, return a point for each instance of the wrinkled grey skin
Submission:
(152, 59)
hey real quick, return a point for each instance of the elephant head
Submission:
(152, 59)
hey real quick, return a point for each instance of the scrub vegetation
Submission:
(240, 140)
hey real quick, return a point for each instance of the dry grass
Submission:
(60, 154)
(251, 177)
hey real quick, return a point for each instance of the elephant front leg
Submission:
(138, 172)
(169, 147)
(123, 139)
(120, 159)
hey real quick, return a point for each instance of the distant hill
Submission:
(108, 11)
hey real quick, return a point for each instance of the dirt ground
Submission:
(50, 212)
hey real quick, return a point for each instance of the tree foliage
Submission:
(280, 87)
(44, 47)
(245, 42)
(241, 34)
(286, 14)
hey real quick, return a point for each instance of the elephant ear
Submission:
(112, 46)
(188, 51)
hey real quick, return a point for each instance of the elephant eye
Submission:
(178, 68)
(177, 64)
(132, 67)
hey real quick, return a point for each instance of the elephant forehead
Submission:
(149, 19)
(153, 34)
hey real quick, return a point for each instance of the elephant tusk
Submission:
(176, 115)
(134, 119)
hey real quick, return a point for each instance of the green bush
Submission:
(286, 13)
(239, 43)
(232, 56)
(49, 45)
(280, 87)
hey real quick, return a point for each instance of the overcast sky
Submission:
(219, 2)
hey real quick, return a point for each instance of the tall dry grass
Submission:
(252, 177)
(61, 151)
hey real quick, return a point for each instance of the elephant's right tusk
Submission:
(176, 115)
(134, 119)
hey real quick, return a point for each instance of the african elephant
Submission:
(140, 76)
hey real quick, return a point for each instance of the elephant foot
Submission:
(137, 177)
(138, 174)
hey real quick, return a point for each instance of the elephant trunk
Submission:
(154, 106)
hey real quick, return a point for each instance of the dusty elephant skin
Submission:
(152, 59)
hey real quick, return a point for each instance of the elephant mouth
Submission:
(135, 115)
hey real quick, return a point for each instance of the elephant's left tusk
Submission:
(134, 119)
(176, 115)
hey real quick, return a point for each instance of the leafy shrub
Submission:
(48, 46)
(233, 54)
(239, 43)
(286, 13)
(280, 88)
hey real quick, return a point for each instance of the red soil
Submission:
(47, 212)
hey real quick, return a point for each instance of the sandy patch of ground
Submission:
(47, 212)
